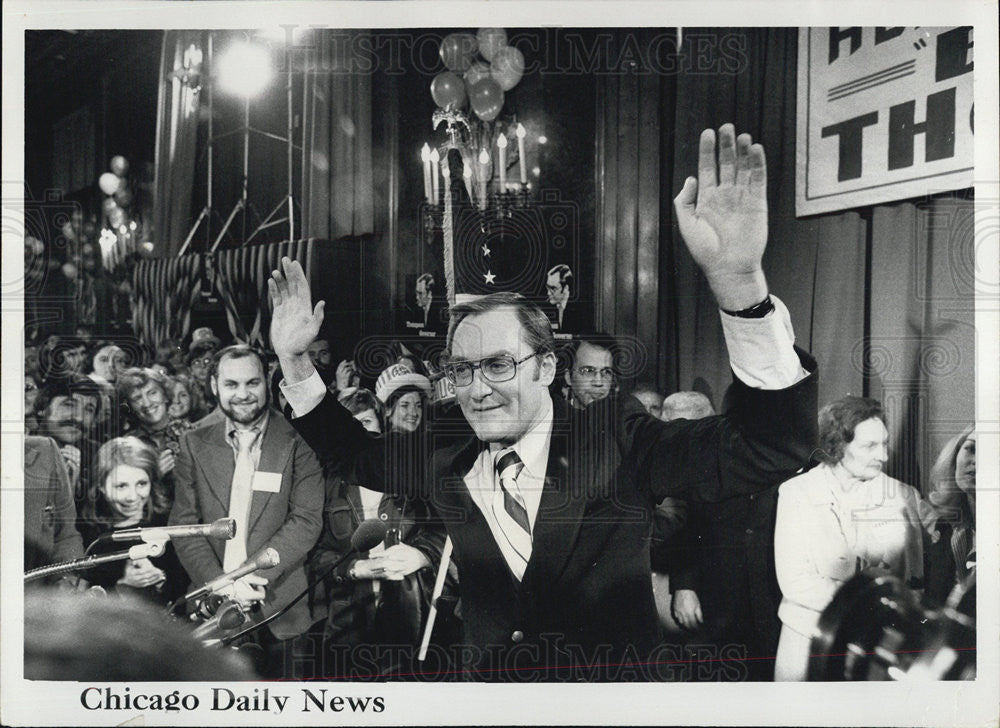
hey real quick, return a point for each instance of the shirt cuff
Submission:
(761, 351)
(304, 396)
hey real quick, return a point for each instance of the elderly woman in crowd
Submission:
(953, 495)
(842, 516)
(126, 493)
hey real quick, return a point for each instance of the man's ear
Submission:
(214, 387)
(547, 368)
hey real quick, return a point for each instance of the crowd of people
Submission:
(750, 538)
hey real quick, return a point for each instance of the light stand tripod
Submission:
(242, 204)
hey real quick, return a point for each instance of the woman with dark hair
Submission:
(953, 494)
(105, 361)
(126, 493)
(841, 517)
(404, 395)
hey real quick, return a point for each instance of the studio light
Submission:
(244, 69)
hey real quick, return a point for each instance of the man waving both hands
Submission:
(549, 510)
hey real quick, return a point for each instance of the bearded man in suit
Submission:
(550, 509)
(252, 467)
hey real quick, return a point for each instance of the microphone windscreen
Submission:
(224, 528)
(267, 559)
(231, 616)
(369, 534)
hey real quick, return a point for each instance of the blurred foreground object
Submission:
(876, 629)
(79, 637)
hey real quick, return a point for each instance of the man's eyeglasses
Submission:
(593, 372)
(494, 368)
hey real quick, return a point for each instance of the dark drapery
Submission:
(882, 296)
(337, 195)
(176, 138)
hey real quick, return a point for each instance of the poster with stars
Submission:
(520, 248)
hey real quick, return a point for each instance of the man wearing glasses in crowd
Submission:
(550, 510)
(591, 375)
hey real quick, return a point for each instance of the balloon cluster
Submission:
(482, 82)
(120, 228)
(115, 185)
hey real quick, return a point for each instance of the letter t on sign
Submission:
(850, 134)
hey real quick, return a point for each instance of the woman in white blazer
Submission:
(842, 516)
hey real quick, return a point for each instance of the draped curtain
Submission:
(882, 296)
(337, 194)
(176, 138)
(164, 291)
(242, 284)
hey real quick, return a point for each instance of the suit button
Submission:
(749, 532)
(517, 636)
(384, 516)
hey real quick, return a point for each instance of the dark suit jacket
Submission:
(586, 597)
(50, 533)
(288, 521)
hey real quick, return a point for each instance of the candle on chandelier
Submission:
(467, 178)
(435, 172)
(502, 146)
(425, 157)
(521, 133)
(484, 161)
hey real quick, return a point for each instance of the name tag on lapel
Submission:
(267, 482)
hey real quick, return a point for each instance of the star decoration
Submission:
(486, 250)
(489, 276)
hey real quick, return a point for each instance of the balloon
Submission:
(117, 217)
(109, 205)
(123, 197)
(490, 41)
(448, 91)
(508, 67)
(487, 99)
(119, 165)
(109, 182)
(457, 51)
(476, 73)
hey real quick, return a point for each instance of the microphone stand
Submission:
(139, 551)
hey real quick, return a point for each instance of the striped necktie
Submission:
(509, 509)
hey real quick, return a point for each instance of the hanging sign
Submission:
(884, 113)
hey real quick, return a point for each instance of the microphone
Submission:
(264, 560)
(223, 528)
(228, 615)
(367, 536)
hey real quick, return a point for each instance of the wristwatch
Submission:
(759, 310)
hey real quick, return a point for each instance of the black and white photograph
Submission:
(500, 363)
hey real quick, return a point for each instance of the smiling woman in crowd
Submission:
(145, 396)
(126, 493)
(404, 395)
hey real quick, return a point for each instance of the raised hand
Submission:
(295, 322)
(723, 216)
